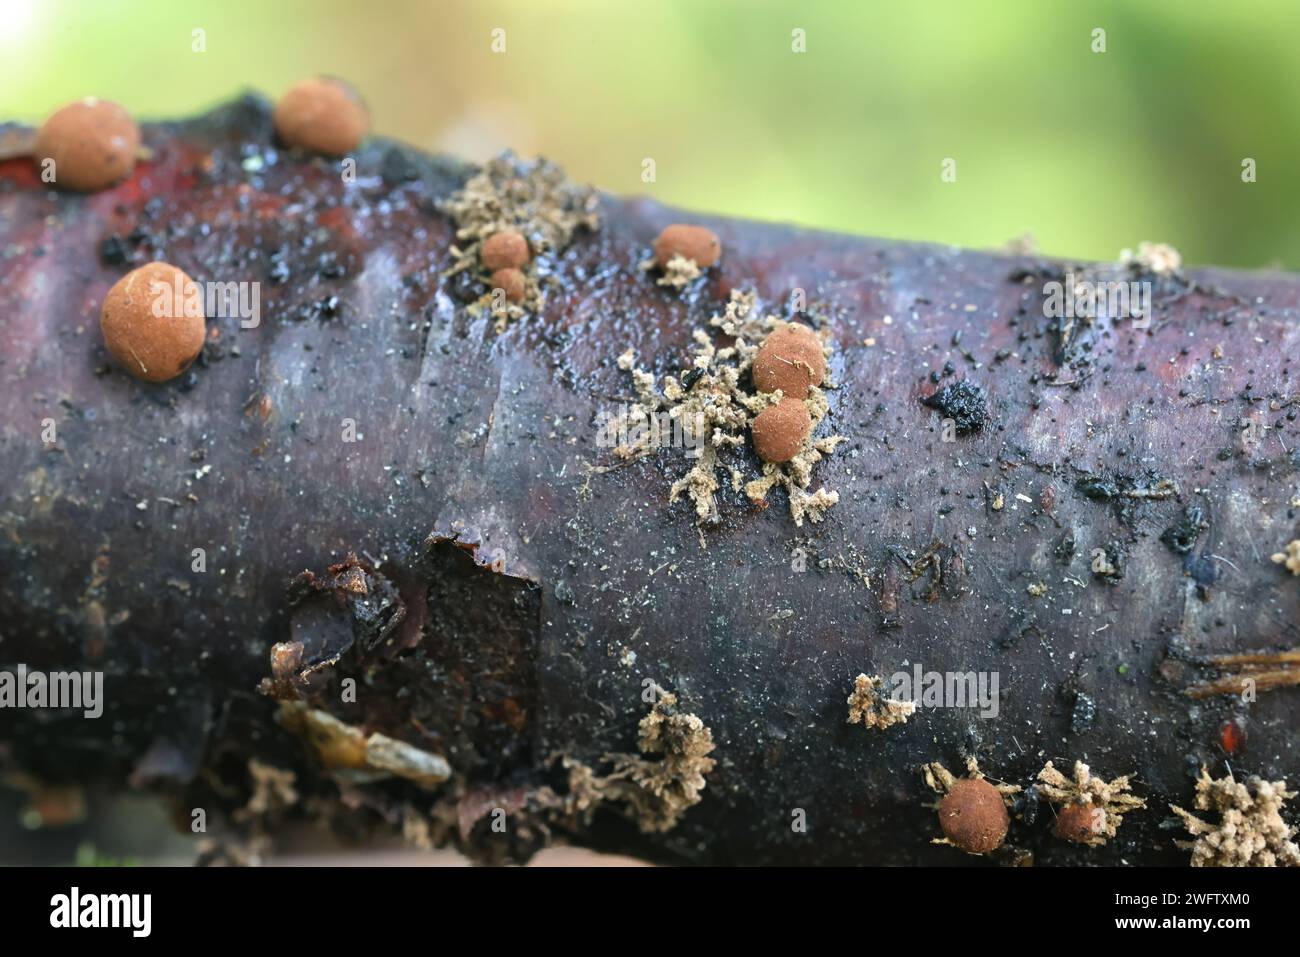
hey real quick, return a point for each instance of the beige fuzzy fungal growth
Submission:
(248, 843)
(871, 708)
(1290, 557)
(657, 787)
(1106, 802)
(1160, 259)
(530, 199)
(677, 272)
(1250, 832)
(677, 778)
(708, 412)
(273, 788)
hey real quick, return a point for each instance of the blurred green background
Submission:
(1089, 152)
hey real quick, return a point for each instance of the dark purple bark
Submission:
(508, 651)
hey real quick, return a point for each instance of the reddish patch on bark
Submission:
(1232, 735)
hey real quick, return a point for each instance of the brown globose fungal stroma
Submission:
(696, 243)
(973, 816)
(780, 430)
(154, 344)
(505, 250)
(92, 142)
(1080, 823)
(790, 359)
(323, 115)
(511, 281)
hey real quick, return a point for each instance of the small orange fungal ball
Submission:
(505, 250)
(779, 430)
(973, 816)
(696, 243)
(323, 115)
(153, 323)
(790, 359)
(1080, 823)
(511, 281)
(92, 143)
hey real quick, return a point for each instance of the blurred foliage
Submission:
(1089, 152)
(88, 856)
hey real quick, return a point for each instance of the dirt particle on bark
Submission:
(1108, 562)
(964, 402)
(1181, 536)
